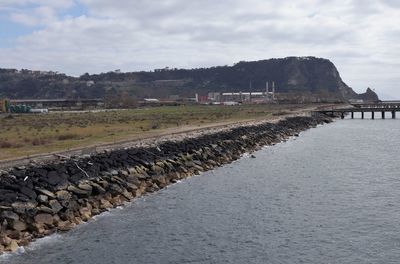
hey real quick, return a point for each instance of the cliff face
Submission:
(298, 75)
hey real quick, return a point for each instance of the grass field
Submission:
(29, 134)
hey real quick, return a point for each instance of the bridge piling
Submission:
(368, 107)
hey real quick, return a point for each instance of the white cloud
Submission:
(360, 37)
(42, 15)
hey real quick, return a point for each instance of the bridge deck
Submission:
(382, 107)
(358, 110)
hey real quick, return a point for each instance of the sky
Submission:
(361, 37)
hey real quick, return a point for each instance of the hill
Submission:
(306, 76)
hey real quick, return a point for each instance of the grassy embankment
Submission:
(29, 134)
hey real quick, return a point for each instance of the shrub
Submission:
(39, 141)
(68, 136)
(6, 144)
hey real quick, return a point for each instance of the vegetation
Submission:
(28, 134)
(293, 74)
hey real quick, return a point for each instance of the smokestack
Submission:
(273, 90)
(267, 88)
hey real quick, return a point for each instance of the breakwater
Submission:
(37, 201)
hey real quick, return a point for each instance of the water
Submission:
(330, 196)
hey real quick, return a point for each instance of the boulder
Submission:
(131, 187)
(86, 187)
(9, 215)
(97, 189)
(12, 247)
(28, 192)
(157, 169)
(45, 209)
(86, 213)
(23, 207)
(132, 171)
(128, 195)
(44, 219)
(62, 185)
(18, 225)
(63, 195)
(104, 204)
(53, 178)
(115, 189)
(55, 206)
(79, 191)
(160, 181)
(5, 240)
(46, 192)
(42, 198)
(65, 225)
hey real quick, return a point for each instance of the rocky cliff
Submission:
(297, 75)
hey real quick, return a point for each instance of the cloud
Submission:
(360, 37)
(42, 15)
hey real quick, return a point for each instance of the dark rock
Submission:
(42, 198)
(79, 191)
(9, 215)
(23, 207)
(53, 178)
(28, 192)
(45, 209)
(62, 185)
(115, 189)
(55, 206)
(97, 189)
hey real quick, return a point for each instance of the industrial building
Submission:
(60, 104)
(244, 97)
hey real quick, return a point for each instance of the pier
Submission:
(376, 109)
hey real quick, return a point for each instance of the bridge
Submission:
(381, 107)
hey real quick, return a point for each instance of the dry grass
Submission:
(27, 134)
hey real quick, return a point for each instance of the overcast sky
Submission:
(76, 36)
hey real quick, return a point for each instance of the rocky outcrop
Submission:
(36, 201)
(316, 79)
(368, 96)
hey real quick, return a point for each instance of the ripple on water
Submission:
(309, 200)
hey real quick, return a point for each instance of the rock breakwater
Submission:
(36, 201)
